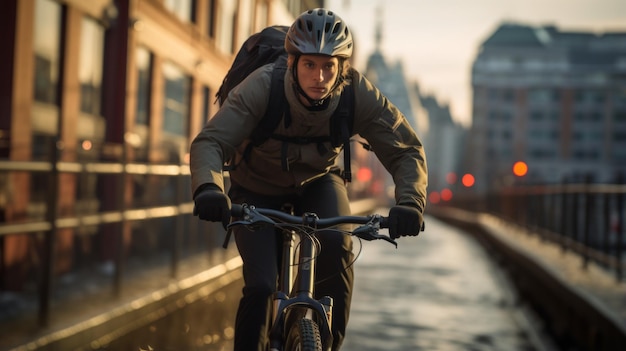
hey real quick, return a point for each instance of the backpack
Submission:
(265, 47)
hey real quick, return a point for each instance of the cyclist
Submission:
(317, 72)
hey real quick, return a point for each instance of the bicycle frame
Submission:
(301, 300)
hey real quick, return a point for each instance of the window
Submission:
(555, 116)
(619, 136)
(493, 94)
(47, 63)
(541, 96)
(589, 116)
(588, 135)
(183, 9)
(211, 19)
(619, 156)
(260, 20)
(47, 48)
(246, 12)
(500, 116)
(176, 106)
(143, 61)
(227, 14)
(619, 116)
(619, 97)
(90, 67)
(595, 116)
(586, 155)
(589, 96)
(549, 134)
(536, 116)
(542, 154)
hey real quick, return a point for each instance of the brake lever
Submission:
(251, 217)
(369, 232)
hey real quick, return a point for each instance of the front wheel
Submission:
(304, 336)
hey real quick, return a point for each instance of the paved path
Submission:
(439, 291)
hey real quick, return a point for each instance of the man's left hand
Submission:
(405, 221)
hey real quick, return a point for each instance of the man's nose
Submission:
(320, 75)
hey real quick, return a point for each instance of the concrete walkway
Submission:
(439, 291)
(587, 304)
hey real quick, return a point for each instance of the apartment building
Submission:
(553, 99)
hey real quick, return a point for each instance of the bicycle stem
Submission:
(306, 267)
(286, 275)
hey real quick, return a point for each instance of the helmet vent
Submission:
(337, 28)
(309, 26)
(326, 27)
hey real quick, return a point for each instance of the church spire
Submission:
(378, 36)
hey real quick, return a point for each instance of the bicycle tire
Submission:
(304, 336)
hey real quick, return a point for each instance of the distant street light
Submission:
(446, 194)
(434, 197)
(451, 178)
(520, 168)
(468, 180)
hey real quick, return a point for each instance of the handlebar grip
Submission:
(384, 222)
(236, 210)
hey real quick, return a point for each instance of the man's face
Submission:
(317, 75)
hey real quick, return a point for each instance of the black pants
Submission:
(260, 252)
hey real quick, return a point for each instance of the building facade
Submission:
(553, 99)
(394, 84)
(444, 145)
(99, 101)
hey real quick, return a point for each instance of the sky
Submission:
(436, 41)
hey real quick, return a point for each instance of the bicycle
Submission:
(299, 321)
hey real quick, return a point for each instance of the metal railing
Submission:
(121, 220)
(46, 227)
(585, 218)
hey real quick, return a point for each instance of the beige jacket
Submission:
(376, 119)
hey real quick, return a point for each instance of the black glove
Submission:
(405, 220)
(211, 204)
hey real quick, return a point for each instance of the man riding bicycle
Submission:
(302, 175)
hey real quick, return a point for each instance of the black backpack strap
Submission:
(341, 128)
(277, 105)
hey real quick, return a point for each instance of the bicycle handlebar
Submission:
(240, 211)
(250, 215)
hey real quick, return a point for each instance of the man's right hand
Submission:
(211, 204)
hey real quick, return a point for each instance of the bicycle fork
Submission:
(301, 304)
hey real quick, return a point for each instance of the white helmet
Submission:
(319, 32)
